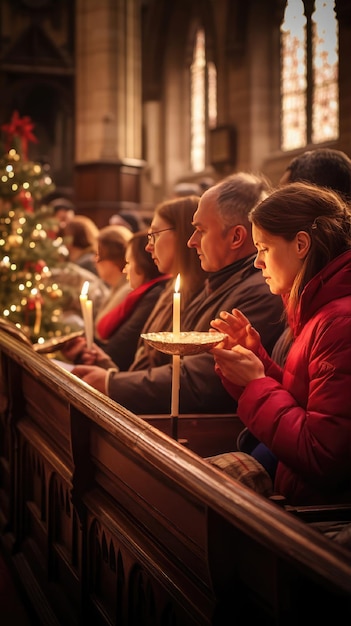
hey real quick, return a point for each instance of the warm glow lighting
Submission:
(85, 289)
(38, 311)
(176, 306)
(87, 313)
(176, 357)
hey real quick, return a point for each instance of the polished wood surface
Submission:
(111, 521)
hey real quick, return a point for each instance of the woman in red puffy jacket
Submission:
(302, 413)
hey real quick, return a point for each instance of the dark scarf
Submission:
(114, 318)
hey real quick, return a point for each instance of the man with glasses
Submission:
(222, 239)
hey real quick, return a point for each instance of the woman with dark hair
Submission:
(301, 412)
(169, 232)
(166, 248)
(119, 329)
(325, 167)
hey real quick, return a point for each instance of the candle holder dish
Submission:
(183, 343)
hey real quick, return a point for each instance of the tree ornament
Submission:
(29, 245)
(25, 199)
(21, 128)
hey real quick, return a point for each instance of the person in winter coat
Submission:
(325, 167)
(165, 245)
(221, 237)
(301, 412)
(119, 329)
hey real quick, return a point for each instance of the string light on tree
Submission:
(28, 248)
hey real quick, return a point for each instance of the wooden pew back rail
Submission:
(109, 521)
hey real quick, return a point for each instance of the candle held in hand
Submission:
(176, 307)
(176, 357)
(38, 311)
(84, 297)
(87, 313)
(89, 329)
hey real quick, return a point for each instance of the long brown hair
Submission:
(318, 211)
(178, 213)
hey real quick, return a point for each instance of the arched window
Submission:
(203, 114)
(309, 74)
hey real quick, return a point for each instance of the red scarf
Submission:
(114, 318)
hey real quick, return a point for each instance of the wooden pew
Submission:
(108, 520)
(206, 434)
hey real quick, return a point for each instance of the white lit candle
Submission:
(176, 357)
(89, 332)
(38, 311)
(84, 297)
(176, 307)
(87, 313)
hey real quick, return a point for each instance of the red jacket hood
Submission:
(334, 280)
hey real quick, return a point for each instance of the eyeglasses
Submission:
(151, 236)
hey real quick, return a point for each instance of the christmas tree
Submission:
(29, 241)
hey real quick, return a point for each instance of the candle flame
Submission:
(177, 284)
(85, 288)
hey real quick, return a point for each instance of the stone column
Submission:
(108, 104)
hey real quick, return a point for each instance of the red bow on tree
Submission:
(22, 128)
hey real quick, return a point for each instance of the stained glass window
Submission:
(325, 113)
(203, 79)
(309, 86)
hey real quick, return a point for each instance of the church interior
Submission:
(131, 101)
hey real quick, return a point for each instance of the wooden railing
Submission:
(108, 520)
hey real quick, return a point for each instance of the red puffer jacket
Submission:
(303, 412)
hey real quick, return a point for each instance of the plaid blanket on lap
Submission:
(245, 469)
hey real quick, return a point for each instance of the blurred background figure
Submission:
(72, 276)
(182, 189)
(110, 261)
(188, 188)
(63, 209)
(64, 212)
(130, 219)
(324, 167)
(80, 237)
